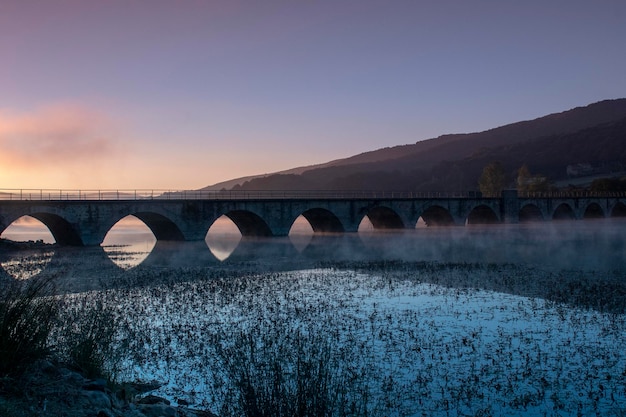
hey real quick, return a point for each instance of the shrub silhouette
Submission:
(27, 317)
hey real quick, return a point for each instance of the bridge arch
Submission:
(61, 229)
(249, 223)
(618, 210)
(563, 212)
(323, 220)
(530, 213)
(482, 214)
(383, 217)
(593, 211)
(162, 227)
(437, 216)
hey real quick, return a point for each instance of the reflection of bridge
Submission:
(85, 217)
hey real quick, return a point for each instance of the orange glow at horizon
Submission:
(76, 146)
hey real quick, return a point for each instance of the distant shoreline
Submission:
(31, 244)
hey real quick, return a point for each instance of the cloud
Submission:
(55, 135)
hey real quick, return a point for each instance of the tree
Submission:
(492, 180)
(531, 183)
(523, 178)
(608, 184)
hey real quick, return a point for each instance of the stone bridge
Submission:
(85, 219)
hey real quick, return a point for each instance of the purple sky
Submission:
(183, 94)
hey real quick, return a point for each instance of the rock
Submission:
(182, 402)
(152, 399)
(95, 385)
(158, 410)
(53, 390)
(145, 386)
(48, 368)
(98, 399)
(198, 413)
(72, 377)
(133, 413)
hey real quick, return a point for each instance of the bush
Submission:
(286, 372)
(28, 314)
(12, 408)
(87, 338)
(35, 324)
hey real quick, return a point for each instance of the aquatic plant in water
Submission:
(338, 342)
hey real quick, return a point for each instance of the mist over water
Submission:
(591, 244)
(585, 245)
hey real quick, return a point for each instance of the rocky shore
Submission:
(49, 389)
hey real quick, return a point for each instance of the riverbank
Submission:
(52, 389)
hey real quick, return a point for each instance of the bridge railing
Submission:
(101, 195)
(572, 194)
(155, 194)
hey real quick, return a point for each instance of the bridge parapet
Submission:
(156, 194)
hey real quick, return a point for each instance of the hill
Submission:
(591, 137)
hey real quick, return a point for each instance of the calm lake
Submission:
(522, 319)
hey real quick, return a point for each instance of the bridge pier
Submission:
(510, 207)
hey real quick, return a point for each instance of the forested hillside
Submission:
(593, 137)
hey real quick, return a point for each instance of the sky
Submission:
(184, 94)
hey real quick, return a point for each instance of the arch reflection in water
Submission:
(301, 233)
(421, 223)
(366, 225)
(223, 237)
(24, 265)
(129, 242)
